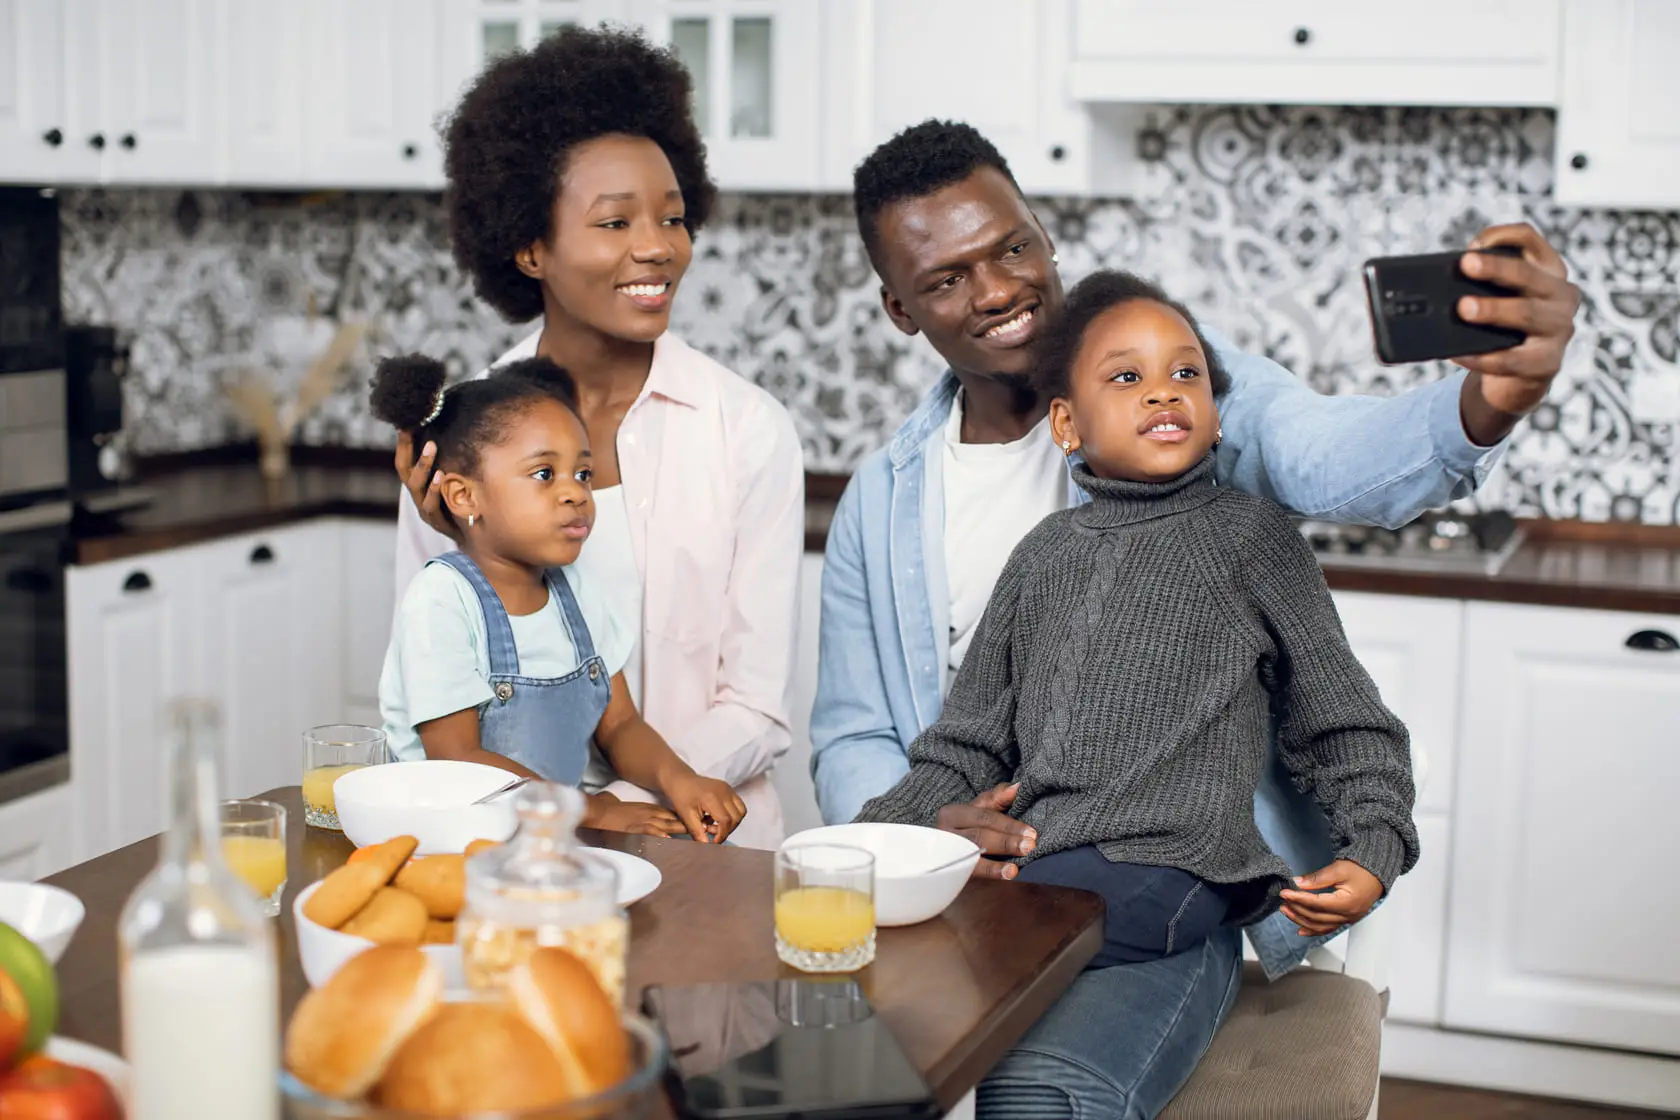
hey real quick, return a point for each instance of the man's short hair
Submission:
(920, 160)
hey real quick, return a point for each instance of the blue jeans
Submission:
(1121, 1041)
(1150, 912)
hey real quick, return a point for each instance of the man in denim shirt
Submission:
(926, 523)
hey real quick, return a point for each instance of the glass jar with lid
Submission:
(542, 888)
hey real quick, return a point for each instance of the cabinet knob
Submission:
(410, 151)
(1303, 36)
(137, 581)
(262, 554)
(1652, 641)
(129, 141)
(1058, 153)
(97, 141)
(52, 137)
(1578, 161)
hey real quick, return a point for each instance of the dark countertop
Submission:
(1571, 564)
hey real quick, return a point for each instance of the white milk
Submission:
(201, 1033)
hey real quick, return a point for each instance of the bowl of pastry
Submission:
(918, 871)
(384, 1039)
(387, 894)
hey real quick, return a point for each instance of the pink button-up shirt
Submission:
(714, 486)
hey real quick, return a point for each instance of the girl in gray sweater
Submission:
(1137, 650)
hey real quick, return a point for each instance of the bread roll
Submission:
(392, 854)
(344, 892)
(342, 1035)
(480, 846)
(391, 917)
(438, 881)
(470, 1058)
(557, 994)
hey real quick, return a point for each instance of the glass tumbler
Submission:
(254, 848)
(329, 752)
(825, 907)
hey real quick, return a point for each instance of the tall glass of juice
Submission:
(328, 753)
(254, 848)
(825, 907)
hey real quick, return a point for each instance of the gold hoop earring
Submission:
(1067, 445)
(1218, 436)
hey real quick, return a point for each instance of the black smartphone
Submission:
(807, 1047)
(1414, 308)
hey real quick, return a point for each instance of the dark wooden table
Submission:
(958, 991)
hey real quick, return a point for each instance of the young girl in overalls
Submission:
(498, 655)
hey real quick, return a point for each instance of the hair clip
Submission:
(437, 407)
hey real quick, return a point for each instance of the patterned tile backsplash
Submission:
(1256, 217)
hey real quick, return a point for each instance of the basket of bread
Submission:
(382, 1039)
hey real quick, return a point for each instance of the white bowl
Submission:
(918, 871)
(430, 800)
(323, 951)
(46, 915)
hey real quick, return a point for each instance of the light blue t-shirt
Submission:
(438, 662)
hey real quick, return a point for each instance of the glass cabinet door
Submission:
(755, 65)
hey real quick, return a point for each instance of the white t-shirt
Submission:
(608, 564)
(995, 493)
(439, 658)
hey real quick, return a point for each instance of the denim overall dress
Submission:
(545, 723)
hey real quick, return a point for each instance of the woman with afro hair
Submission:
(576, 180)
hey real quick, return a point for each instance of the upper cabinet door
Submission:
(1618, 133)
(161, 116)
(43, 113)
(264, 93)
(999, 65)
(755, 65)
(1320, 52)
(375, 68)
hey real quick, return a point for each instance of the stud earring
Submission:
(1055, 258)
(1067, 445)
(1218, 436)
(472, 519)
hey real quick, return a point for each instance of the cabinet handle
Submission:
(1302, 36)
(97, 141)
(137, 581)
(262, 554)
(129, 141)
(1578, 161)
(410, 151)
(1652, 641)
(53, 137)
(1058, 153)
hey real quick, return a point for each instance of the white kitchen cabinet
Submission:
(999, 65)
(134, 645)
(367, 574)
(36, 838)
(1410, 646)
(273, 647)
(265, 94)
(1563, 910)
(44, 110)
(756, 66)
(1618, 133)
(160, 117)
(1417, 915)
(1318, 52)
(476, 32)
(375, 91)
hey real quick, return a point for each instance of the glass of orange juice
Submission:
(254, 846)
(825, 907)
(328, 752)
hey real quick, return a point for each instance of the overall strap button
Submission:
(594, 670)
(504, 691)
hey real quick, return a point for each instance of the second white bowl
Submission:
(45, 914)
(429, 799)
(918, 871)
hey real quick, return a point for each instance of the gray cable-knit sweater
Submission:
(1126, 672)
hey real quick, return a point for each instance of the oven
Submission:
(35, 498)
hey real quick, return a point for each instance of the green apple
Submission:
(27, 970)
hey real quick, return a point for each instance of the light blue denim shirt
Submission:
(885, 605)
